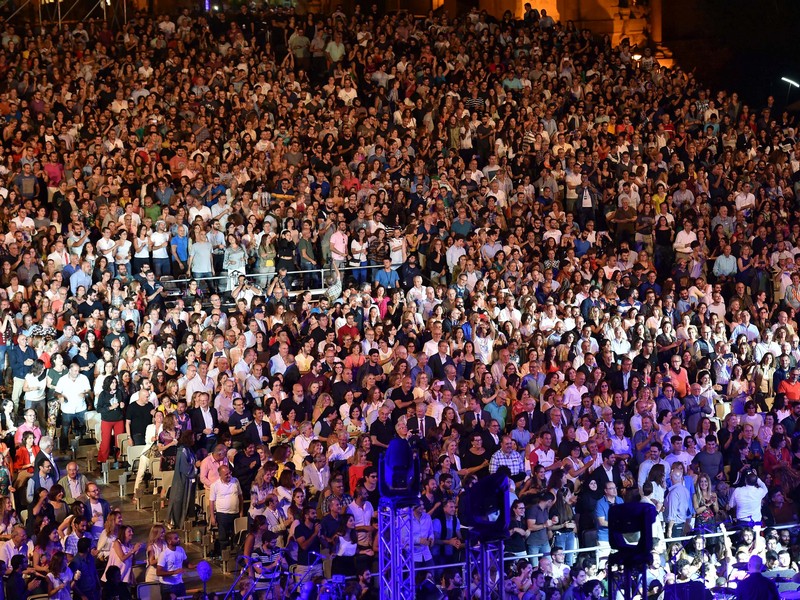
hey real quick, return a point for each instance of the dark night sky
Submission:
(738, 45)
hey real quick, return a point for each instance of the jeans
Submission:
(566, 540)
(162, 266)
(313, 280)
(16, 391)
(3, 352)
(66, 421)
(360, 275)
(175, 590)
(144, 467)
(225, 525)
(543, 549)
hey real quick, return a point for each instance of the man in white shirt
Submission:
(745, 200)
(160, 250)
(342, 450)
(574, 393)
(197, 380)
(71, 391)
(226, 503)
(17, 545)
(172, 562)
(362, 511)
(317, 475)
(683, 240)
(746, 500)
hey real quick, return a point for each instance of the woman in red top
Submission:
(777, 462)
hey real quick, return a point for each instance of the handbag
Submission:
(153, 451)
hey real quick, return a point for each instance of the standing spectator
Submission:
(181, 498)
(21, 359)
(72, 392)
(59, 578)
(110, 405)
(601, 512)
(172, 564)
(226, 503)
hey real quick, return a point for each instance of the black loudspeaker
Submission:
(630, 527)
(691, 590)
(486, 509)
(398, 471)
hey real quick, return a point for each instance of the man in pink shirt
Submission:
(209, 468)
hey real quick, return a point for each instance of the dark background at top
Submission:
(737, 45)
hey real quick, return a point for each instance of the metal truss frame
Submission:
(396, 573)
(627, 576)
(483, 557)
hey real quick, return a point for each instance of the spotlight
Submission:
(630, 528)
(485, 508)
(398, 471)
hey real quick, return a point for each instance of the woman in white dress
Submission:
(397, 248)
(155, 547)
(235, 261)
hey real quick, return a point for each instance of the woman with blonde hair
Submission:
(108, 536)
(324, 400)
(302, 442)
(122, 552)
(155, 547)
(259, 494)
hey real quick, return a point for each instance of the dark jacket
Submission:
(87, 509)
(199, 424)
(251, 433)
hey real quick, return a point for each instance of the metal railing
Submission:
(462, 565)
(322, 274)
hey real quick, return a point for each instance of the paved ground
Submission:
(141, 519)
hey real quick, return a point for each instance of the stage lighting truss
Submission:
(397, 577)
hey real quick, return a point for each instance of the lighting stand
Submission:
(483, 557)
(396, 574)
(627, 576)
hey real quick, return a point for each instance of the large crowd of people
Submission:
(264, 245)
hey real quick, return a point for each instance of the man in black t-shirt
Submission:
(308, 542)
(381, 433)
(238, 421)
(140, 415)
(245, 466)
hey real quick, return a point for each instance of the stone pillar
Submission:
(656, 26)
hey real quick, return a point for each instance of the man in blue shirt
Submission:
(678, 503)
(87, 584)
(725, 266)
(180, 251)
(82, 278)
(387, 277)
(21, 358)
(601, 514)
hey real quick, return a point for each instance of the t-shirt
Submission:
(200, 253)
(73, 391)
(140, 417)
(601, 510)
(171, 560)
(239, 421)
(538, 515)
(304, 532)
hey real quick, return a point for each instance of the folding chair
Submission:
(240, 530)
